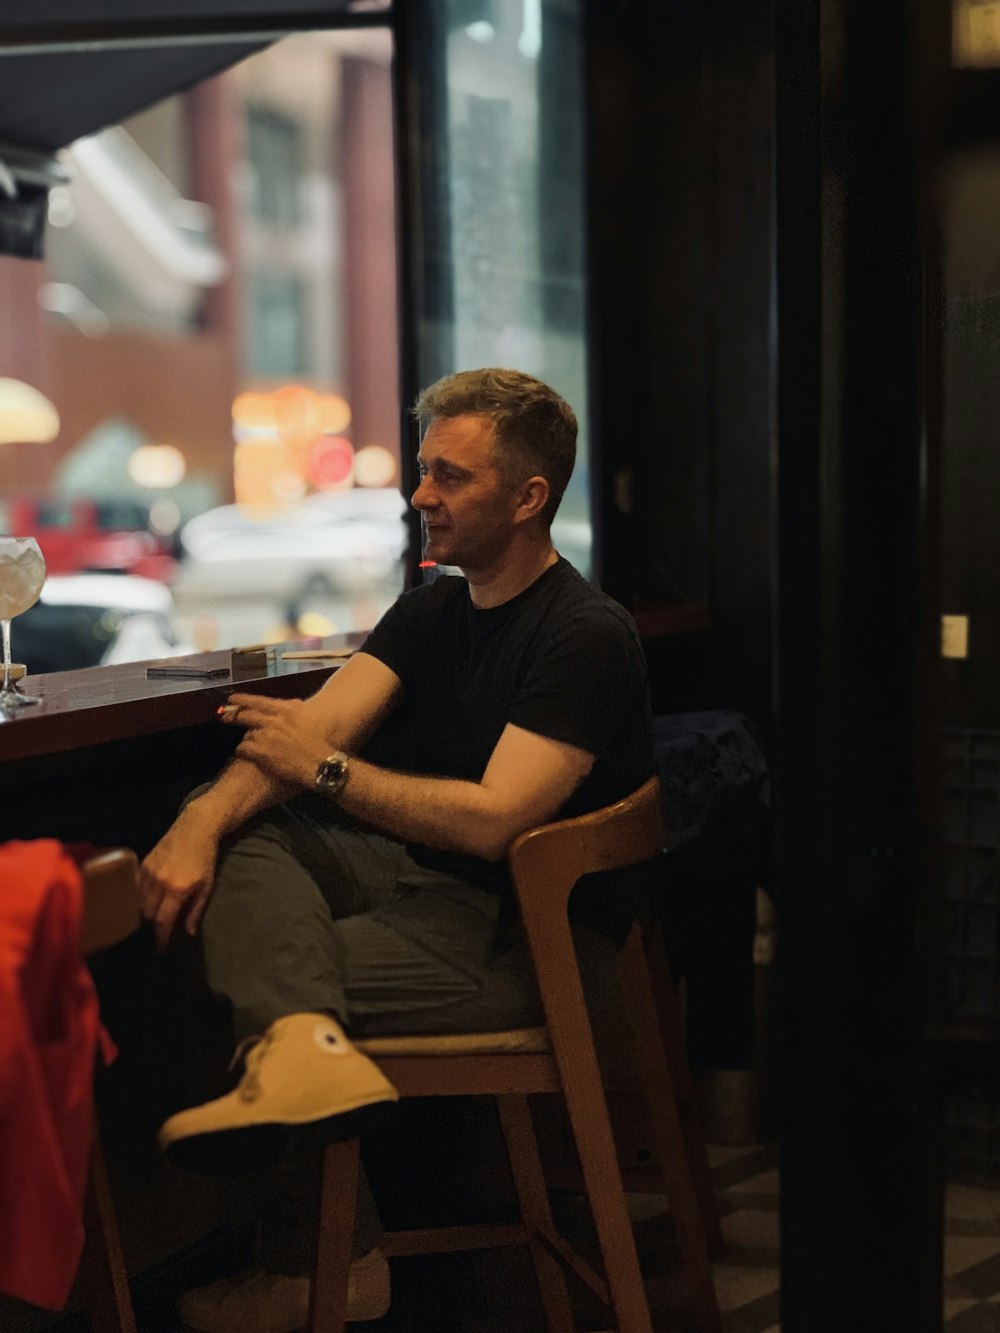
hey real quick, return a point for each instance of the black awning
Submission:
(99, 20)
(71, 67)
(48, 100)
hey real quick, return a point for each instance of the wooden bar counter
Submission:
(109, 754)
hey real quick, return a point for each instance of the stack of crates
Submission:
(971, 906)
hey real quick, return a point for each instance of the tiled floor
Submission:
(972, 1260)
(747, 1278)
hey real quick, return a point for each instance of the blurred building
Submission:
(236, 237)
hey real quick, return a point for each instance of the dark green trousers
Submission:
(312, 913)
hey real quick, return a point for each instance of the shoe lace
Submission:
(252, 1049)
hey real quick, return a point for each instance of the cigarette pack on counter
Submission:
(251, 661)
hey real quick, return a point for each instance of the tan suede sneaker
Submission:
(302, 1071)
(258, 1302)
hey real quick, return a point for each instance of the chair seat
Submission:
(513, 1041)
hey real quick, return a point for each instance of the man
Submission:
(377, 900)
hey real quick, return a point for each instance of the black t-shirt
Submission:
(561, 659)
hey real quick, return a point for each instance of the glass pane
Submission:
(503, 265)
(215, 321)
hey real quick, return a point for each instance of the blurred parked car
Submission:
(77, 534)
(85, 620)
(339, 542)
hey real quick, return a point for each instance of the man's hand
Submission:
(281, 737)
(177, 876)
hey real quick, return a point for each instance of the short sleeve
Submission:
(392, 639)
(583, 685)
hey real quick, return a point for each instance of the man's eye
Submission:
(443, 476)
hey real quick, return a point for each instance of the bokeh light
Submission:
(262, 478)
(26, 416)
(374, 465)
(330, 463)
(296, 412)
(254, 412)
(334, 413)
(157, 466)
(314, 625)
(302, 428)
(164, 516)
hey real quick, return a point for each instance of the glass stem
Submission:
(5, 625)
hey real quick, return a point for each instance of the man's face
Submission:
(467, 509)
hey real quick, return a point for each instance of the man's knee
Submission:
(195, 793)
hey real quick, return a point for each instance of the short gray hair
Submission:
(534, 428)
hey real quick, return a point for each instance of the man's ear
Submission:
(533, 496)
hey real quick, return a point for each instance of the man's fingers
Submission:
(260, 705)
(247, 715)
(254, 710)
(165, 918)
(166, 908)
(250, 747)
(196, 911)
(149, 896)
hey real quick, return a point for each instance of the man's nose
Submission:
(423, 497)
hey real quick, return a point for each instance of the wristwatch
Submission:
(331, 773)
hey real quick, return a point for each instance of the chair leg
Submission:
(328, 1296)
(686, 1204)
(672, 1034)
(588, 1115)
(103, 1273)
(529, 1181)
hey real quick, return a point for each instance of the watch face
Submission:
(331, 773)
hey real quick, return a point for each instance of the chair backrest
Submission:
(557, 855)
(110, 902)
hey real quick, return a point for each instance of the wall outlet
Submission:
(954, 636)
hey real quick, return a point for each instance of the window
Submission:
(216, 323)
(503, 265)
(275, 326)
(274, 152)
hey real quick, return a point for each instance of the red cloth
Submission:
(49, 1032)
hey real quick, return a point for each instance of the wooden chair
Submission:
(110, 914)
(545, 865)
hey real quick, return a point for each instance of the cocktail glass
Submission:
(22, 576)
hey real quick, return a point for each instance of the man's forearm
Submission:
(240, 791)
(448, 813)
(527, 780)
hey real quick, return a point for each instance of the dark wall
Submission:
(970, 555)
(855, 753)
(680, 205)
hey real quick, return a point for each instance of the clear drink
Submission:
(22, 576)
